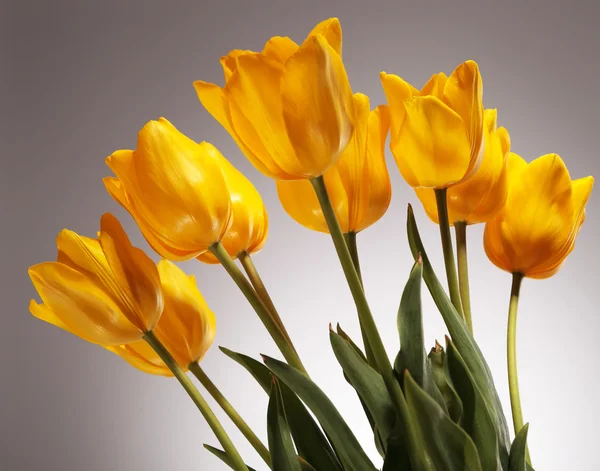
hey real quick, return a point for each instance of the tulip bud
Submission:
(186, 328)
(436, 134)
(175, 190)
(289, 108)
(536, 230)
(358, 183)
(103, 290)
(483, 194)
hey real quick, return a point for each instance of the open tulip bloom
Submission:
(291, 111)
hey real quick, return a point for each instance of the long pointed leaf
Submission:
(438, 366)
(518, 451)
(460, 336)
(281, 446)
(224, 457)
(346, 445)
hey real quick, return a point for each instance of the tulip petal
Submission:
(396, 91)
(141, 356)
(80, 305)
(212, 98)
(229, 62)
(44, 313)
(435, 86)
(317, 105)
(432, 149)
(332, 31)
(136, 275)
(280, 48)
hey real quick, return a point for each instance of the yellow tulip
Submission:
(436, 133)
(249, 219)
(103, 290)
(175, 190)
(536, 230)
(482, 195)
(186, 328)
(358, 184)
(289, 107)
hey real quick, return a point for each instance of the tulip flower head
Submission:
(289, 107)
(186, 328)
(436, 133)
(536, 230)
(358, 183)
(174, 188)
(483, 194)
(103, 290)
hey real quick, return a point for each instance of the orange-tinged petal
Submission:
(396, 91)
(230, 63)
(280, 48)
(187, 327)
(332, 31)
(44, 313)
(435, 86)
(212, 98)
(134, 273)
(141, 356)
(317, 106)
(432, 149)
(81, 306)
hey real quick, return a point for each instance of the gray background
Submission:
(78, 81)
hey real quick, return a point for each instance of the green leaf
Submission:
(518, 451)
(397, 456)
(440, 375)
(476, 419)
(345, 443)
(447, 445)
(311, 443)
(281, 446)
(368, 384)
(461, 337)
(222, 456)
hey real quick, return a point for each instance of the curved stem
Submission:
(366, 318)
(246, 288)
(243, 427)
(460, 229)
(442, 207)
(261, 290)
(207, 413)
(350, 238)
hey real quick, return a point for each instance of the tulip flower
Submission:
(249, 219)
(186, 327)
(536, 230)
(174, 188)
(289, 107)
(358, 183)
(103, 290)
(436, 133)
(481, 196)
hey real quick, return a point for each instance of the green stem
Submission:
(366, 317)
(243, 427)
(442, 207)
(207, 413)
(350, 238)
(513, 377)
(263, 313)
(261, 290)
(460, 229)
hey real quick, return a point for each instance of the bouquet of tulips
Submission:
(292, 112)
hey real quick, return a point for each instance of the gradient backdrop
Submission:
(80, 78)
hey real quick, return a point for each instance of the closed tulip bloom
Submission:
(103, 290)
(175, 190)
(186, 328)
(436, 133)
(536, 230)
(249, 219)
(358, 184)
(482, 195)
(289, 107)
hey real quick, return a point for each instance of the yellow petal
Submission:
(463, 93)
(80, 305)
(280, 48)
(396, 91)
(332, 31)
(317, 106)
(141, 356)
(432, 149)
(134, 273)
(230, 63)
(435, 86)
(187, 327)
(44, 313)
